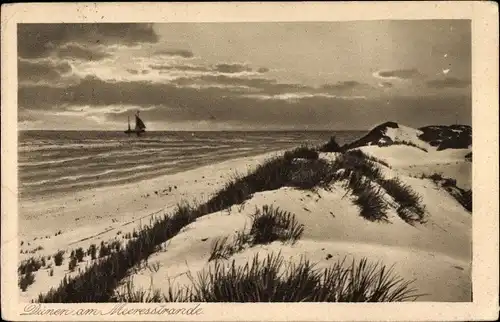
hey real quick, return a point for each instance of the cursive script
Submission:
(121, 309)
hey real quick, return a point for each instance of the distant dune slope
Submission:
(437, 137)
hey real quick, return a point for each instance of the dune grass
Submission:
(365, 179)
(359, 175)
(272, 224)
(410, 207)
(275, 280)
(268, 225)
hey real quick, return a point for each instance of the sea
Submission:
(50, 162)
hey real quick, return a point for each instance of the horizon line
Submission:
(151, 131)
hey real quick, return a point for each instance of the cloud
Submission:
(449, 82)
(232, 68)
(397, 74)
(74, 51)
(345, 85)
(260, 83)
(180, 68)
(40, 40)
(294, 97)
(184, 53)
(41, 70)
(171, 103)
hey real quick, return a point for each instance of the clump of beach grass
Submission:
(275, 280)
(267, 225)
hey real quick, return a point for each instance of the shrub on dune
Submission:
(26, 280)
(58, 258)
(30, 265)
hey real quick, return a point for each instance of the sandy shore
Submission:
(89, 216)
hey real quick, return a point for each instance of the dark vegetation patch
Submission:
(447, 137)
(26, 280)
(331, 146)
(269, 225)
(302, 152)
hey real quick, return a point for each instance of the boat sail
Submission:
(140, 127)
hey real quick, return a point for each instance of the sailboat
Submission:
(139, 126)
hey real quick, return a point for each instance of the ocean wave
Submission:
(86, 176)
(113, 155)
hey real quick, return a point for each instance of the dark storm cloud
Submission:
(398, 73)
(74, 51)
(36, 71)
(232, 68)
(96, 92)
(184, 53)
(449, 82)
(39, 40)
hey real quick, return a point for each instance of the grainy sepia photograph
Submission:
(257, 161)
(245, 162)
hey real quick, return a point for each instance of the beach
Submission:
(437, 249)
(89, 217)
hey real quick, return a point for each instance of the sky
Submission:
(244, 76)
